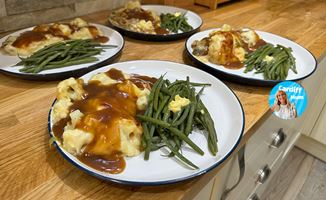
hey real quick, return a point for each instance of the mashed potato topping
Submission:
(43, 35)
(134, 18)
(227, 46)
(96, 121)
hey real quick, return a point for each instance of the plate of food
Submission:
(59, 50)
(131, 125)
(249, 56)
(154, 22)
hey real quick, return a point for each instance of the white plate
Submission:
(75, 70)
(192, 18)
(223, 106)
(305, 61)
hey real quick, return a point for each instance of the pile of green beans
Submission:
(62, 54)
(275, 69)
(175, 23)
(162, 127)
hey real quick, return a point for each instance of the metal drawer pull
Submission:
(242, 168)
(263, 174)
(254, 197)
(278, 139)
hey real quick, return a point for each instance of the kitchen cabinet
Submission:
(263, 158)
(264, 153)
(313, 139)
(266, 150)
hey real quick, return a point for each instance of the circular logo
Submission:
(288, 100)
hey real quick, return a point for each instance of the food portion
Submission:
(175, 22)
(62, 54)
(273, 62)
(173, 111)
(116, 115)
(43, 35)
(235, 49)
(227, 46)
(134, 18)
(96, 121)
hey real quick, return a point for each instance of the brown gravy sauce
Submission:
(39, 32)
(115, 104)
(96, 35)
(231, 61)
(259, 43)
(161, 31)
(28, 37)
(140, 81)
(140, 14)
(233, 65)
(113, 164)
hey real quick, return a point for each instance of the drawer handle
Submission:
(254, 197)
(263, 174)
(278, 138)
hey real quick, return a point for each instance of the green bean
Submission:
(175, 127)
(182, 118)
(211, 147)
(173, 130)
(77, 62)
(152, 128)
(45, 62)
(156, 147)
(62, 54)
(147, 140)
(179, 155)
(264, 53)
(182, 127)
(193, 106)
(278, 68)
(157, 92)
(189, 122)
(156, 140)
(191, 83)
(61, 61)
(208, 122)
(151, 95)
(165, 90)
(175, 23)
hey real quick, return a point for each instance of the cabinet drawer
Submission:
(260, 151)
(260, 188)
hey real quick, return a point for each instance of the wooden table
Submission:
(31, 169)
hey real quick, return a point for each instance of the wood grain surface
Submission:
(31, 169)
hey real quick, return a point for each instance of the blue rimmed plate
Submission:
(193, 19)
(306, 63)
(106, 57)
(223, 105)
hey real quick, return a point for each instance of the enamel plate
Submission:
(192, 18)
(75, 70)
(305, 62)
(223, 105)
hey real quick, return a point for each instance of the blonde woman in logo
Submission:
(282, 106)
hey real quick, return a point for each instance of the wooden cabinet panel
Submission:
(315, 86)
(314, 139)
(319, 130)
(259, 153)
